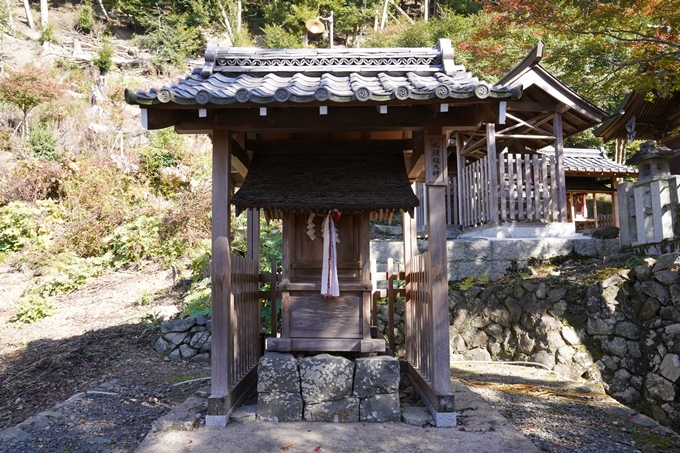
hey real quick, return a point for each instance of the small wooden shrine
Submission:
(308, 132)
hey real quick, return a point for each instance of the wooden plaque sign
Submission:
(436, 172)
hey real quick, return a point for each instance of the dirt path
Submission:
(104, 331)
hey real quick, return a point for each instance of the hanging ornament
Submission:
(329, 272)
(311, 229)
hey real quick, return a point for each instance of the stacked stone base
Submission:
(326, 388)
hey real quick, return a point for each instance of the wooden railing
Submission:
(391, 293)
(606, 220)
(418, 317)
(245, 317)
(476, 190)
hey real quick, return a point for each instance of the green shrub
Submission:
(104, 58)
(18, 226)
(133, 241)
(171, 41)
(33, 308)
(43, 142)
(46, 34)
(197, 301)
(86, 18)
(66, 272)
(276, 37)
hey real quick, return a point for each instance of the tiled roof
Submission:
(589, 161)
(290, 179)
(263, 76)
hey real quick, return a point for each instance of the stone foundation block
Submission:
(376, 375)
(279, 407)
(278, 373)
(326, 378)
(380, 409)
(346, 410)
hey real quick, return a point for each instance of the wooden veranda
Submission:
(303, 129)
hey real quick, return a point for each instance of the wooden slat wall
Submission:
(418, 317)
(245, 316)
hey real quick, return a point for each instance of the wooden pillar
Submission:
(460, 161)
(287, 225)
(365, 258)
(493, 172)
(410, 245)
(559, 163)
(222, 306)
(435, 181)
(572, 207)
(595, 209)
(253, 239)
(615, 202)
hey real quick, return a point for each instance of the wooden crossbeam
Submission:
(361, 146)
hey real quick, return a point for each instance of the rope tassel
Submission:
(329, 272)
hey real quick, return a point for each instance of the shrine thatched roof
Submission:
(232, 75)
(326, 180)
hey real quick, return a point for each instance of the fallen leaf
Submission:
(287, 447)
(318, 448)
(190, 441)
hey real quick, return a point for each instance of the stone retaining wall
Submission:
(622, 332)
(186, 339)
(326, 388)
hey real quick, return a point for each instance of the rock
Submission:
(570, 335)
(389, 229)
(593, 297)
(208, 325)
(416, 416)
(478, 354)
(380, 409)
(675, 295)
(495, 331)
(500, 315)
(201, 320)
(514, 308)
(479, 340)
(566, 371)
(547, 322)
(556, 294)
(346, 410)
(199, 339)
(375, 375)
(176, 338)
(655, 290)
(559, 309)
(279, 407)
(667, 261)
(178, 325)
(630, 395)
(181, 417)
(479, 321)
(494, 349)
(609, 295)
(13, 434)
(203, 357)
(616, 346)
(642, 272)
(643, 420)
(526, 343)
(541, 290)
(667, 277)
(207, 345)
(175, 355)
(278, 373)
(553, 341)
(659, 388)
(244, 414)
(545, 358)
(460, 321)
(673, 342)
(649, 310)
(163, 346)
(627, 330)
(670, 367)
(605, 233)
(326, 378)
(634, 349)
(187, 351)
(597, 326)
(670, 313)
(457, 344)
(33, 424)
(564, 354)
(528, 303)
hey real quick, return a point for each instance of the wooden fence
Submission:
(391, 293)
(245, 317)
(418, 317)
(526, 188)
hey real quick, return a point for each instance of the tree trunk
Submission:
(29, 18)
(239, 8)
(9, 15)
(43, 13)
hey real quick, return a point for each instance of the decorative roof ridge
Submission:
(366, 61)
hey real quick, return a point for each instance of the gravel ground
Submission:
(585, 422)
(111, 417)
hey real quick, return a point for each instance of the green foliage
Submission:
(104, 58)
(33, 308)
(19, 226)
(47, 34)
(165, 150)
(170, 40)
(43, 143)
(65, 273)
(276, 37)
(85, 19)
(133, 241)
(197, 300)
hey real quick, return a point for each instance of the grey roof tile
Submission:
(589, 160)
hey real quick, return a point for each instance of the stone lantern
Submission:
(654, 206)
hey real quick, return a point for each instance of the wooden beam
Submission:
(521, 106)
(239, 158)
(338, 119)
(492, 160)
(361, 146)
(222, 336)
(416, 164)
(559, 163)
